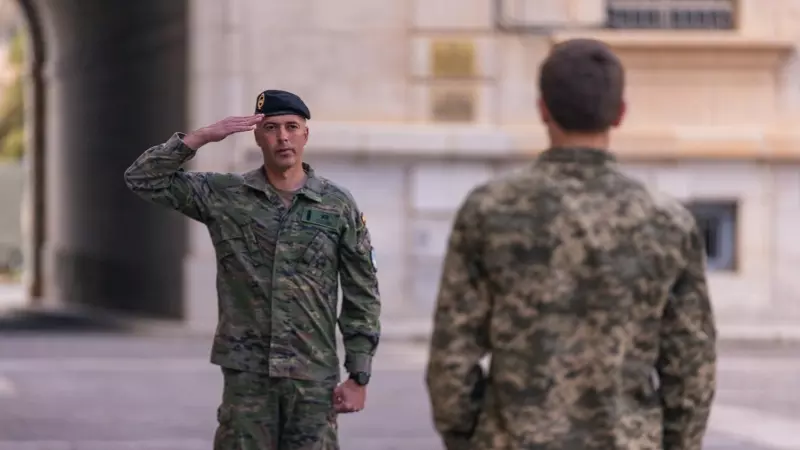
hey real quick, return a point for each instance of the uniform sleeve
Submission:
(459, 341)
(687, 360)
(157, 177)
(361, 306)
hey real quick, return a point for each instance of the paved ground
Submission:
(114, 392)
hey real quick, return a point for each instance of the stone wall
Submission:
(712, 116)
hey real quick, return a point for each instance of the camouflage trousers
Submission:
(263, 413)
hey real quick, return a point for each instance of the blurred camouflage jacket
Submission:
(278, 268)
(588, 293)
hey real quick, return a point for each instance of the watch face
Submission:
(361, 378)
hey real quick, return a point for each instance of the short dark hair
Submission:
(581, 83)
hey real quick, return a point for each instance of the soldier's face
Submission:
(282, 140)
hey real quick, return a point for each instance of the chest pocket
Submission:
(320, 257)
(235, 240)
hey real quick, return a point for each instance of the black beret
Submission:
(275, 103)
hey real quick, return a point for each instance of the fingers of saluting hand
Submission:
(243, 123)
(255, 118)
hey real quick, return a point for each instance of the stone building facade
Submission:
(416, 101)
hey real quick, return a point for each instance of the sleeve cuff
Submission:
(175, 142)
(358, 362)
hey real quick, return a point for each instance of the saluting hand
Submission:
(222, 129)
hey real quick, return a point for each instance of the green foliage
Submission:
(12, 111)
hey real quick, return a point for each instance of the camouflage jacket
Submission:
(588, 293)
(278, 268)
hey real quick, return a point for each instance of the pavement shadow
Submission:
(43, 321)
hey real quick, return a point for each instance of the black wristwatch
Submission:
(361, 378)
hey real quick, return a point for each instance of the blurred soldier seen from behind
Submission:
(586, 290)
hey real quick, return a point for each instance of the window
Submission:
(671, 14)
(717, 223)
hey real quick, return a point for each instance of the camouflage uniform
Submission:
(278, 272)
(589, 294)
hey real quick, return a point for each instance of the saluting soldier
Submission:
(284, 237)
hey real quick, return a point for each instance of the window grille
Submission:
(671, 14)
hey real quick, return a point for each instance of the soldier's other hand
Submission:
(349, 397)
(222, 129)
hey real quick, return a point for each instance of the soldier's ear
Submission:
(623, 108)
(544, 113)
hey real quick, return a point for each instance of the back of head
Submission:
(581, 84)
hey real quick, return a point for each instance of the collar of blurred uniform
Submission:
(257, 179)
(580, 155)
